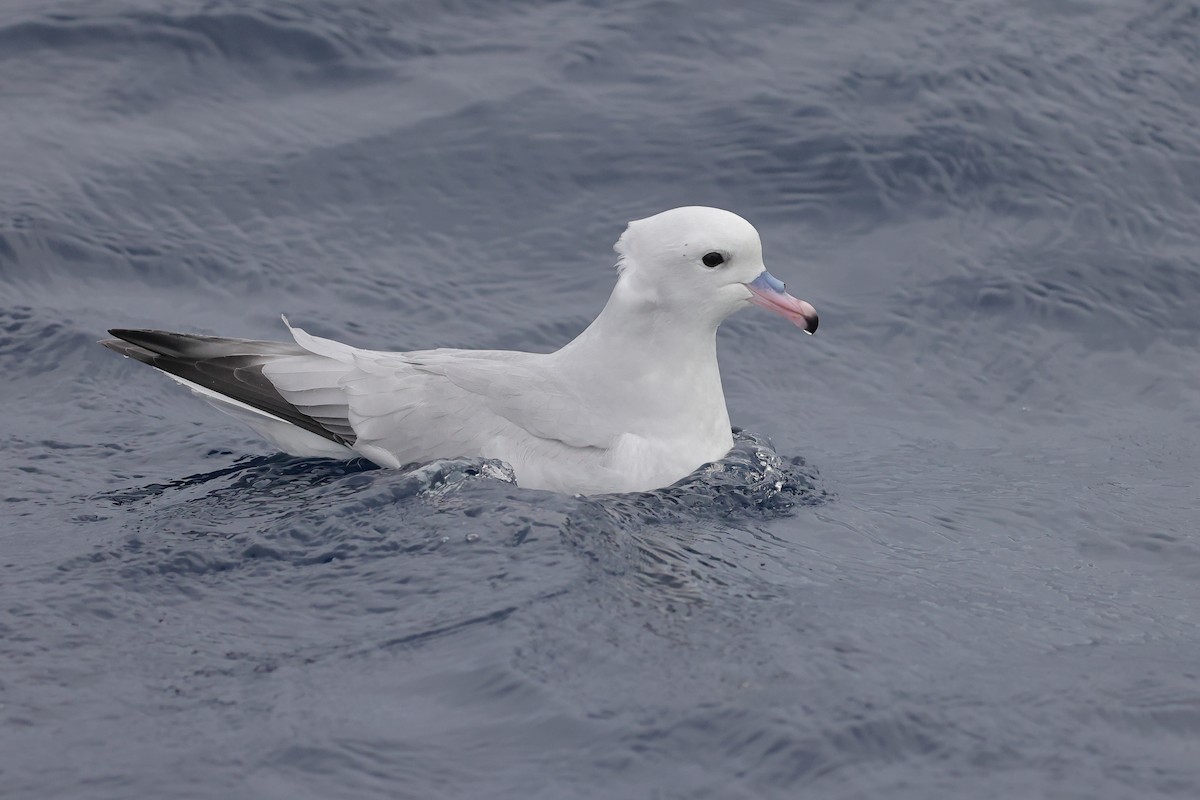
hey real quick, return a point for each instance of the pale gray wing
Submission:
(423, 405)
(522, 389)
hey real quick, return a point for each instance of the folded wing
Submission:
(393, 408)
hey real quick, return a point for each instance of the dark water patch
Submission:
(252, 36)
(770, 749)
(32, 344)
(47, 249)
(753, 480)
(260, 473)
(675, 545)
(61, 32)
(698, 539)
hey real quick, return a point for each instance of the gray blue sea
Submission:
(955, 552)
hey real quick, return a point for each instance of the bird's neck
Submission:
(637, 328)
(656, 366)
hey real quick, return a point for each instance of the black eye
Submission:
(713, 259)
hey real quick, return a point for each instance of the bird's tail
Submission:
(229, 374)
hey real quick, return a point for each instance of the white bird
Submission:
(633, 403)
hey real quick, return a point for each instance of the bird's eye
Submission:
(713, 259)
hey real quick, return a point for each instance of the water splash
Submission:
(752, 480)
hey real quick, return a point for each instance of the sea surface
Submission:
(954, 554)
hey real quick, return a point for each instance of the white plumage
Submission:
(633, 403)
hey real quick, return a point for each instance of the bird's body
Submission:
(633, 403)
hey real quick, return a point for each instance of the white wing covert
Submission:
(400, 408)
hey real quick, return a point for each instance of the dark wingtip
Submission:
(113, 344)
(126, 333)
(129, 350)
(123, 335)
(125, 342)
(162, 343)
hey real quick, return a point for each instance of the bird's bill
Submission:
(767, 291)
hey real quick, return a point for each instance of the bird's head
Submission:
(703, 263)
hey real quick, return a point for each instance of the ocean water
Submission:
(955, 552)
